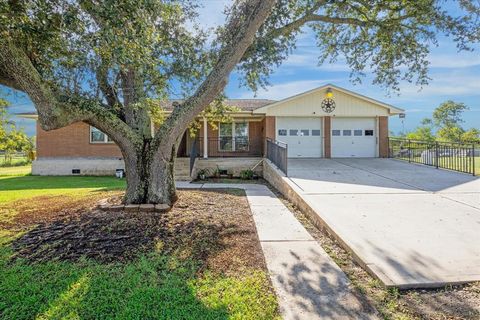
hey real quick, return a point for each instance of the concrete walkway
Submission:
(308, 283)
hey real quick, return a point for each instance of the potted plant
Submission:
(203, 174)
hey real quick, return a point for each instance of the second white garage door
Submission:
(354, 138)
(302, 135)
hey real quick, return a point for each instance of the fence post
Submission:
(409, 151)
(473, 159)
(436, 154)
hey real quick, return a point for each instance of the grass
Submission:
(13, 188)
(154, 285)
(15, 171)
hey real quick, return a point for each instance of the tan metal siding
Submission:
(310, 106)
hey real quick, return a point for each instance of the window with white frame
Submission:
(97, 136)
(233, 136)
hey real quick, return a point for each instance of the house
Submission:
(328, 121)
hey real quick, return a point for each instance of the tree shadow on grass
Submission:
(122, 265)
(151, 287)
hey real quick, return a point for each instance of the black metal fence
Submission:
(277, 152)
(452, 156)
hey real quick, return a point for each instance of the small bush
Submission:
(247, 174)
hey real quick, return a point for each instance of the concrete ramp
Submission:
(408, 225)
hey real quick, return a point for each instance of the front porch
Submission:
(243, 137)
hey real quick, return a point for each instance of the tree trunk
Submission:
(150, 179)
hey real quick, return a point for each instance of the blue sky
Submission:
(455, 76)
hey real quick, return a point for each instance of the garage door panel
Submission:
(302, 135)
(353, 138)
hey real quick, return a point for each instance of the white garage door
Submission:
(353, 137)
(303, 136)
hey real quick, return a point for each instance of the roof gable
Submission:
(320, 93)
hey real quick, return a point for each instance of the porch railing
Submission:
(447, 155)
(277, 152)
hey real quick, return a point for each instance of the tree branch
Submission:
(108, 90)
(242, 35)
(56, 110)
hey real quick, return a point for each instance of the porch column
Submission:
(205, 138)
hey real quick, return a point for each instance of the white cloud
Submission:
(283, 90)
(446, 84)
(454, 60)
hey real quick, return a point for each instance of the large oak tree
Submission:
(108, 63)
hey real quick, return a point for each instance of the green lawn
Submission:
(15, 187)
(156, 285)
(15, 171)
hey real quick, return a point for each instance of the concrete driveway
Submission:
(410, 225)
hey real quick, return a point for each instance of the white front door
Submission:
(302, 135)
(354, 138)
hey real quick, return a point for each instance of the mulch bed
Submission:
(214, 227)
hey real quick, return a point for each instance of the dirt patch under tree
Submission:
(214, 227)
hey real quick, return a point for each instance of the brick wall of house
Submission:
(383, 137)
(72, 141)
(270, 127)
(327, 125)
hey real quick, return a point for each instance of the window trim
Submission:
(106, 139)
(233, 136)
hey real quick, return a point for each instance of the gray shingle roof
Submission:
(242, 104)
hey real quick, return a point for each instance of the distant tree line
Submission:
(12, 139)
(445, 125)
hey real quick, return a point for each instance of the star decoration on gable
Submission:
(328, 105)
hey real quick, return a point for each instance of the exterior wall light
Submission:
(329, 94)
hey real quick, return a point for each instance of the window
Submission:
(316, 133)
(357, 132)
(97, 136)
(369, 132)
(335, 132)
(233, 136)
(293, 132)
(347, 132)
(241, 136)
(305, 132)
(282, 132)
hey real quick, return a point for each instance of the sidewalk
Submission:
(308, 284)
